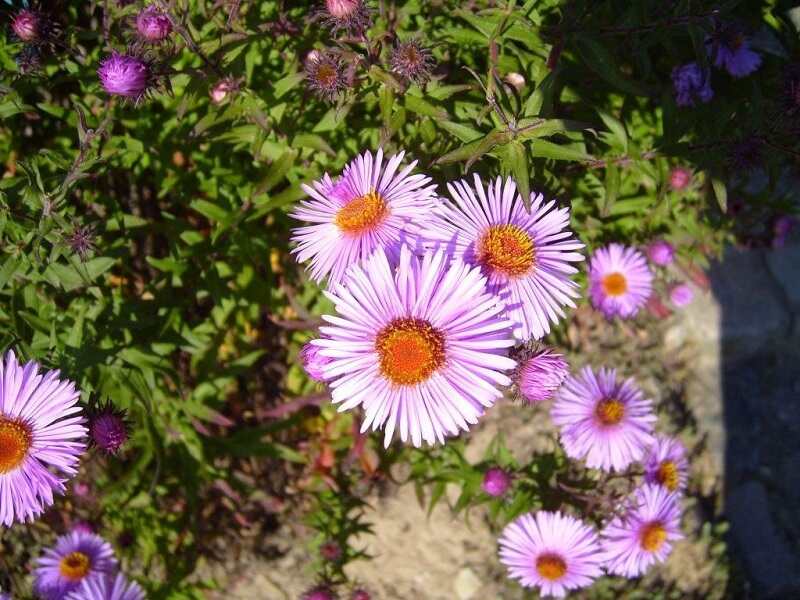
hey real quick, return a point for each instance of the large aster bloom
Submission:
(666, 464)
(643, 534)
(372, 205)
(76, 558)
(525, 255)
(691, 84)
(422, 349)
(603, 420)
(41, 438)
(107, 588)
(620, 282)
(551, 551)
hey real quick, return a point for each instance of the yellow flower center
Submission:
(362, 213)
(75, 566)
(667, 475)
(610, 411)
(15, 441)
(507, 249)
(326, 75)
(615, 284)
(551, 566)
(410, 351)
(653, 536)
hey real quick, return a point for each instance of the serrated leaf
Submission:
(545, 149)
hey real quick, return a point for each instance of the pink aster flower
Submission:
(26, 24)
(372, 205)
(551, 551)
(539, 375)
(123, 75)
(603, 420)
(620, 282)
(644, 533)
(496, 482)
(153, 25)
(525, 255)
(666, 464)
(681, 294)
(108, 588)
(421, 349)
(41, 438)
(661, 253)
(313, 362)
(75, 558)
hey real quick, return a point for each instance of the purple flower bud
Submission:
(681, 295)
(361, 594)
(540, 375)
(222, 89)
(413, 61)
(661, 253)
(108, 429)
(27, 25)
(82, 527)
(680, 178)
(153, 25)
(123, 75)
(313, 362)
(320, 592)
(331, 551)
(496, 482)
(81, 489)
(691, 84)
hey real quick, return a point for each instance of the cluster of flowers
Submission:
(729, 49)
(42, 437)
(432, 295)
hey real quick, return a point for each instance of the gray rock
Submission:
(784, 263)
(773, 569)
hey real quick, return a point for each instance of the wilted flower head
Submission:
(222, 90)
(413, 61)
(496, 482)
(124, 75)
(27, 25)
(349, 16)
(680, 178)
(320, 592)
(313, 362)
(153, 25)
(28, 59)
(108, 428)
(81, 240)
(661, 253)
(691, 84)
(539, 374)
(729, 48)
(325, 75)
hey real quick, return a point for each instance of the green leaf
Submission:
(516, 159)
(721, 193)
(600, 60)
(474, 150)
(617, 129)
(545, 149)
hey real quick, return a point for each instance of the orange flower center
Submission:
(410, 350)
(507, 249)
(653, 536)
(551, 566)
(362, 213)
(667, 475)
(326, 75)
(610, 411)
(75, 566)
(15, 441)
(615, 284)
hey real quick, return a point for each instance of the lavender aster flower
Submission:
(691, 84)
(681, 294)
(107, 588)
(75, 558)
(27, 25)
(421, 349)
(730, 49)
(666, 464)
(313, 362)
(620, 281)
(525, 254)
(371, 205)
(108, 428)
(153, 25)
(551, 551)
(603, 420)
(661, 253)
(539, 374)
(413, 61)
(496, 482)
(643, 535)
(123, 75)
(41, 438)
(4, 596)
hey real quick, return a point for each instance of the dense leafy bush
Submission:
(146, 239)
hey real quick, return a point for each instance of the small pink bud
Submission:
(661, 253)
(496, 482)
(26, 25)
(681, 295)
(680, 178)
